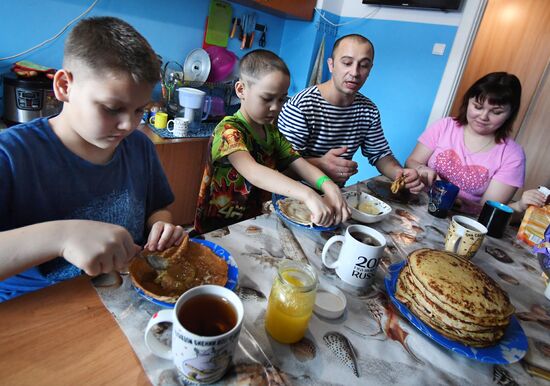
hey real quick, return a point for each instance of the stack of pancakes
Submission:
(454, 297)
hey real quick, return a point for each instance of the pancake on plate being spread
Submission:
(168, 274)
(454, 297)
(295, 210)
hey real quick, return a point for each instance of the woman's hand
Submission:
(427, 174)
(531, 197)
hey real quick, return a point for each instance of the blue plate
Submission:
(232, 271)
(511, 348)
(277, 197)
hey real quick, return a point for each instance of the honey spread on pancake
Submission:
(454, 297)
(181, 267)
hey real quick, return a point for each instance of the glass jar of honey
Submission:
(291, 301)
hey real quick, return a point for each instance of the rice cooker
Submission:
(28, 98)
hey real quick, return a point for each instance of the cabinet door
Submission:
(183, 163)
(294, 9)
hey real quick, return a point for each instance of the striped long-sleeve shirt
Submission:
(314, 126)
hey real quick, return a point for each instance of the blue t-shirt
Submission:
(41, 180)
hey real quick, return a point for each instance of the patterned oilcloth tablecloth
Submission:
(371, 343)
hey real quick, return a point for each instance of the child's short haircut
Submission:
(258, 63)
(108, 44)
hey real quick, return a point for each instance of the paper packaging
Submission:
(533, 225)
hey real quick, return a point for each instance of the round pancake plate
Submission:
(232, 271)
(276, 197)
(509, 349)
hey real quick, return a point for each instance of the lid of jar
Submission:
(330, 302)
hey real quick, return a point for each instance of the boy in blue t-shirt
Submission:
(80, 191)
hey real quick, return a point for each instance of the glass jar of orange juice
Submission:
(291, 301)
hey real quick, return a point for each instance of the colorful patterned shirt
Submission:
(225, 196)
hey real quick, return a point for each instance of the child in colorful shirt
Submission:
(248, 154)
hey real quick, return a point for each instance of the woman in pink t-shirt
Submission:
(474, 150)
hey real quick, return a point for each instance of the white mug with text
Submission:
(206, 322)
(178, 127)
(362, 249)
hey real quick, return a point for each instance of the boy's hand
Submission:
(164, 235)
(97, 247)
(412, 180)
(321, 213)
(333, 196)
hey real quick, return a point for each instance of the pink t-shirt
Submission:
(472, 172)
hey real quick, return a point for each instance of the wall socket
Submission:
(438, 49)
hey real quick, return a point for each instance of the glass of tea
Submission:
(206, 322)
(291, 301)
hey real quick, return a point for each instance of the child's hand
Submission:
(531, 197)
(333, 197)
(164, 235)
(97, 247)
(321, 213)
(412, 180)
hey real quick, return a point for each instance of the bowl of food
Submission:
(366, 208)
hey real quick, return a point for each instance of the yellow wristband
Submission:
(320, 181)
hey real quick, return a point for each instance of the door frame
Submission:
(472, 15)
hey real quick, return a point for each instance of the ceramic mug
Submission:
(159, 120)
(361, 251)
(464, 236)
(178, 127)
(206, 322)
(442, 197)
(495, 216)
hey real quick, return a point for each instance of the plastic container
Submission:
(222, 62)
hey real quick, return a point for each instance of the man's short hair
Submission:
(258, 63)
(109, 44)
(357, 37)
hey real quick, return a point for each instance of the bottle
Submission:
(291, 301)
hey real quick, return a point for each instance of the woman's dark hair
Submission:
(500, 89)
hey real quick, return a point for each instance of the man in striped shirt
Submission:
(328, 122)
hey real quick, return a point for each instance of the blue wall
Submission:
(172, 27)
(403, 82)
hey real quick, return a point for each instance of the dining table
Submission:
(91, 331)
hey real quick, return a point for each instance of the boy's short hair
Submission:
(109, 44)
(258, 63)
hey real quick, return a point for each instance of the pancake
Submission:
(295, 210)
(454, 297)
(407, 291)
(457, 284)
(397, 185)
(188, 265)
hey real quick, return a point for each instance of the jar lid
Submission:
(330, 302)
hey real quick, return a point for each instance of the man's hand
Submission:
(412, 180)
(337, 168)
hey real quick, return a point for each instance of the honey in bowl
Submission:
(369, 207)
